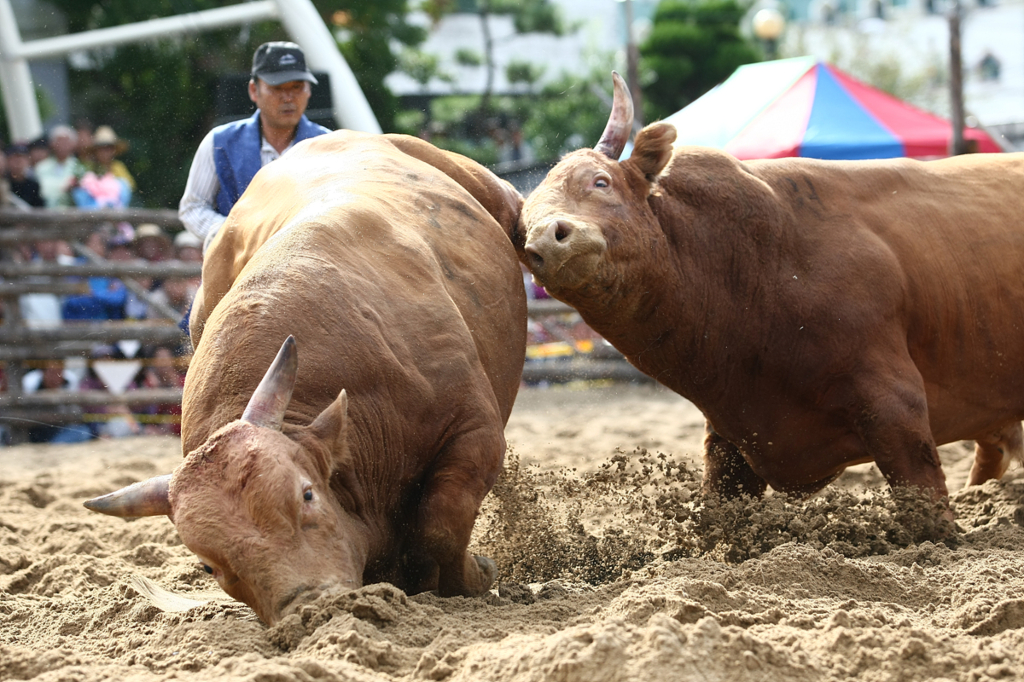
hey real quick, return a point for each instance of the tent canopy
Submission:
(804, 107)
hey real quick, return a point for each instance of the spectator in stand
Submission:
(38, 149)
(152, 243)
(176, 292)
(106, 147)
(5, 190)
(113, 421)
(44, 309)
(106, 182)
(188, 248)
(60, 171)
(51, 377)
(162, 372)
(121, 247)
(105, 301)
(121, 244)
(97, 242)
(107, 296)
(20, 182)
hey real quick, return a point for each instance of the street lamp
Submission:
(768, 25)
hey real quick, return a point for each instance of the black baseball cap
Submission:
(280, 62)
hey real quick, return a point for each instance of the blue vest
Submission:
(236, 155)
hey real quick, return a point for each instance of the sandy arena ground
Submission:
(612, 568)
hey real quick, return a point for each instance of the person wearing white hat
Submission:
(188, 247)
(231, 154)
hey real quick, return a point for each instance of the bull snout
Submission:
(293, 600)
(563, 252)
(299, 596)
(554, 239)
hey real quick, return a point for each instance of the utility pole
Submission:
(956, 83)
(632, 69)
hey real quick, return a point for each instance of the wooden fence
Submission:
(23, 347)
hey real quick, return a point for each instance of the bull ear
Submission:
(270, 400)
(145, 498)
(620, 121)
(653, 148)
(331, 427)
(498, 197)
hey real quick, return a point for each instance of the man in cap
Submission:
(230, 155)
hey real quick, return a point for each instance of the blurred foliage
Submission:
(528, 73)
(530, 16)
(564, 115)
(159, 95)
(422, 67)
(466, 57)
(692, 47)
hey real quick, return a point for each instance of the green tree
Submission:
(692, 47)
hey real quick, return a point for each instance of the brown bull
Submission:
(820, 314)
(390, 264)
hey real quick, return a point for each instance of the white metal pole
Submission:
(193, 22)
(304, 24)
(16, 81)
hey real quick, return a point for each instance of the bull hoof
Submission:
(488, 572)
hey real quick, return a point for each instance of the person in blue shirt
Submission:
(107, 296)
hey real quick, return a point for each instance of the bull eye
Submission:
(208, 569)
(601, 181)
(308, 495)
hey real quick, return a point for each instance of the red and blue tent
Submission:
(804, 107)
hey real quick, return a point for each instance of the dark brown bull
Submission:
(820, 314)
(390, 264)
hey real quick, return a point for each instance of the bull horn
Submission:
(267, 405)
(145, 498)
(620, 121)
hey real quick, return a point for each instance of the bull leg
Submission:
(726, 472)
(463, 476)
(994, 452)
(893, 425)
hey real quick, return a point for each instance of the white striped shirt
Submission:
(197, 208)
